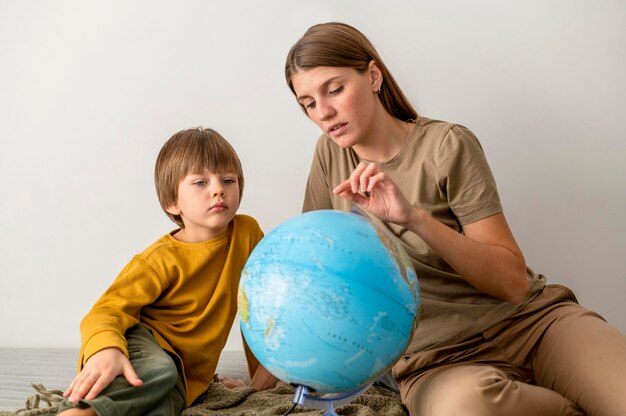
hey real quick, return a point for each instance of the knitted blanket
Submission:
(219, 400)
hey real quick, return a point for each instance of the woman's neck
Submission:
(385, 141)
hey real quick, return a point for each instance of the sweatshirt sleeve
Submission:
(118, 309)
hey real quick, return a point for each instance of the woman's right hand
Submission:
(98, 372)
(373, 190)
(485, 254)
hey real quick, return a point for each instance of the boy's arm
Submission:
(118, 309)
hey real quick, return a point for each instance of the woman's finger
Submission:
(343, 187)
(370, 170)
(355, 176)
(374, 180)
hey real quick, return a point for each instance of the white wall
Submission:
(90, 90)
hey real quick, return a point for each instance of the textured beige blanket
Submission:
(218, 400)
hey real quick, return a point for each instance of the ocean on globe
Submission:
(328, 301)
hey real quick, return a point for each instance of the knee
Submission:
(159, 372)
(467, 390)
(165, 371)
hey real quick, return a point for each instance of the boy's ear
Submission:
(173, 209)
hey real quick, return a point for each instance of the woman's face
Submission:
(341, 101)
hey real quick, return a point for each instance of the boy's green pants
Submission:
(162, 391)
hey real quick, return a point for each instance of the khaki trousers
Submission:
(552, 358)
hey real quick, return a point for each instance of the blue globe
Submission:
(328, 301)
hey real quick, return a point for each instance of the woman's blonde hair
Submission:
(340, 45)
(192, 151)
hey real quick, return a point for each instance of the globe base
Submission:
(328, 403)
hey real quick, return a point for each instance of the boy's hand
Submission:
(99, 371)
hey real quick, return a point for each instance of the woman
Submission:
(492, 338)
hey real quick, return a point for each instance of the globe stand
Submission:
(301, 397)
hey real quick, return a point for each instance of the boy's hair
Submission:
(192, 151)
(341, 45)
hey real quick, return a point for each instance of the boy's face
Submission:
(207, 202)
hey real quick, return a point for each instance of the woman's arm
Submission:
(485, 255)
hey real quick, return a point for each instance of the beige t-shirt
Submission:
(442, 169)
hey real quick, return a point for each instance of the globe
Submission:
(329, 301)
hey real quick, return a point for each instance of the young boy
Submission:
(151, 343)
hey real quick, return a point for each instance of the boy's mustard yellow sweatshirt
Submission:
(185, 293)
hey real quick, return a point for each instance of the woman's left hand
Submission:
(375, 191)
